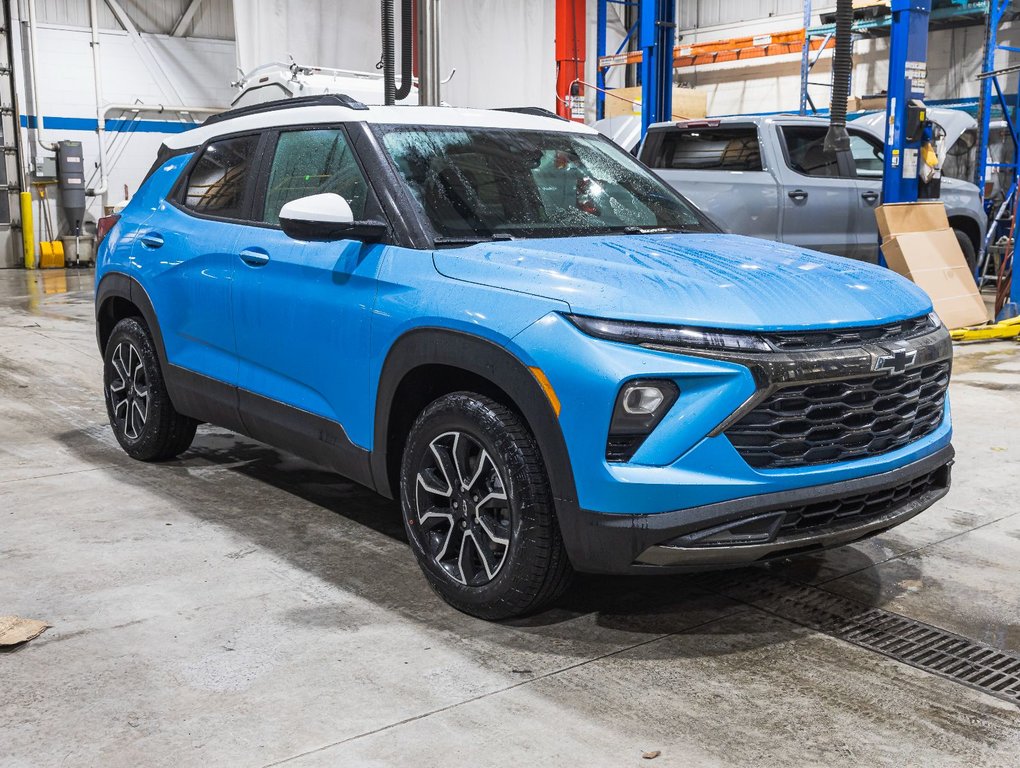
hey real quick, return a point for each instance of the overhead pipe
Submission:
(34, 81)
(102, 191)
(160, 109)
(428, 53)
(836, 138)
(104, 113)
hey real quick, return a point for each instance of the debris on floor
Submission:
(15, 630)
(651, 755)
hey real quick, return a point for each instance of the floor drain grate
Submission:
(920, 645)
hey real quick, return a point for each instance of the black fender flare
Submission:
(119, 285)
(481, 357)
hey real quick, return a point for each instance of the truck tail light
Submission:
(104, 225)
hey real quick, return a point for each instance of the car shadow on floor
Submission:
(353, 538)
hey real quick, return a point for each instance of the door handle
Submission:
(254, 257)
(870, 197)
(152, 240)
(797, 194)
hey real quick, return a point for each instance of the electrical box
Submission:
(45, 169)
(916, 121)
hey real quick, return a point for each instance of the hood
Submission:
(954, 122)
(722, 281)
(625, 130)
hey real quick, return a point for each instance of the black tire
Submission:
(519, 577)
(144, 420)
(967, 246)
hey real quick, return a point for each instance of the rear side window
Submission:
(310, 163)
(733, 148)
(805, 151)
(219, 181)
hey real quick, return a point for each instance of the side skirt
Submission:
(282, 426)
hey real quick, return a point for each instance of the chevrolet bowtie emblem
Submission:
(897, 362)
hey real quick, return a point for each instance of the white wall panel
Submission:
(503, 50)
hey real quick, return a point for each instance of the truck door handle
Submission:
(254, 257)
(152, 240)
(870, 197)
(797, 194)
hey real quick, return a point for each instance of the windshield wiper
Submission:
(654, 230)
(469, 240)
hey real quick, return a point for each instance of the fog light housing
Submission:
(640, 405)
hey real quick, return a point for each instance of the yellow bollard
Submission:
(27, 230)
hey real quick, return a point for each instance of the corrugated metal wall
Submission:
(215, 18)
(695, 14)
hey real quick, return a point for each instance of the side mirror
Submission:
(326, 217)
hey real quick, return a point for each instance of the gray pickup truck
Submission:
(768, 177)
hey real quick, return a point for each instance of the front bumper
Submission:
(755, 528)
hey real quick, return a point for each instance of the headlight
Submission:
(640, 406)
(935, 320)
(669, 335)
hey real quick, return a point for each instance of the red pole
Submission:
(570, 51)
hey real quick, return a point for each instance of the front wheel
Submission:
(478, 510)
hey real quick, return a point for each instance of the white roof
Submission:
(397, 115)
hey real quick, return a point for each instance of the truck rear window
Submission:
(730, 148)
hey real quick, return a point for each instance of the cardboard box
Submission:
(900, 218)
(688, 103)
(919, 244)
(866, 104)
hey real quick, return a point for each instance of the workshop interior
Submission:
(509, 382)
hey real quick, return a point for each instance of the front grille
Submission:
(862, 507)
(793, 341)
(827, 422)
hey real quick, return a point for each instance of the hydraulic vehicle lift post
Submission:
(908, 62)
(656, 37)
(908, 57)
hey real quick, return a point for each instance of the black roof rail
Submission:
(536, 111)
(326, 99)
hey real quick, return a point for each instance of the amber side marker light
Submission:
(543, 382)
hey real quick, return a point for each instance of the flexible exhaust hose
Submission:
(837, 139)
(406, 51)
(389, 80)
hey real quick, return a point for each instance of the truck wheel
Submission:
(478, 510)
(141, 414)
(967, 246)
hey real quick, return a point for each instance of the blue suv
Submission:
(554, 360)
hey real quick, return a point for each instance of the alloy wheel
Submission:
(464, 516)
(129, 390)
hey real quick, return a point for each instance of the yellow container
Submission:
(52, 256)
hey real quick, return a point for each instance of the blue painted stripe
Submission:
(57, 123)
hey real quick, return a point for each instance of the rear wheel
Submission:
(478, 510)
(967, 246)
(144, 420)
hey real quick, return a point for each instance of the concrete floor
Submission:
(241, 607)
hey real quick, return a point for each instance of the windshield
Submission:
(485, 183)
